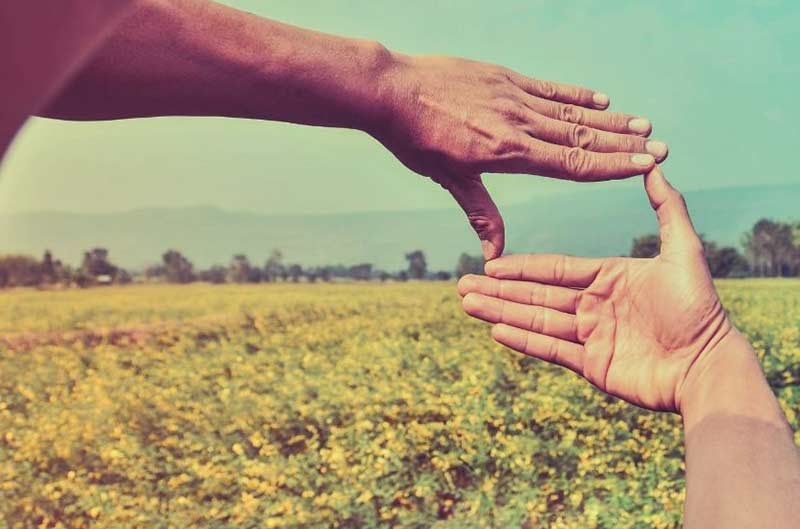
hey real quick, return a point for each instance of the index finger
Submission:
(564, 270)
(563, 93)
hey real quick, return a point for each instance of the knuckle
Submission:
(537, 321)
(575, 161)
(483, 224)
(570, 114)
(507, 107)
(505, 145)
(546, 89)
(552, 351)
(526, 345)
(582, 136)
(536, 295)
(573, 327)
(580, 296)
(559, 270)
(499, 75)
(678, 199)
(501, 316)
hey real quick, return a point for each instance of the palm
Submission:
(632, 327)
(640, 320)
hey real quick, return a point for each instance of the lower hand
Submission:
(638, 329)
(454, 119)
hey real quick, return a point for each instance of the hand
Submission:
(454, 119)
(635, 328)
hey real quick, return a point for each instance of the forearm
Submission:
(742, 466)
(41, 45)
(199, 58)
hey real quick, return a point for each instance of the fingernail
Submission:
(643, 159)
(491, 267)
(639, 125)
(600, 99)
(657, 148)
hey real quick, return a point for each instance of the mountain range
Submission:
(598, 221)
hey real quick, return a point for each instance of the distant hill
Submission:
(598, 221)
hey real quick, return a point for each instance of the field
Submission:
(311, 406)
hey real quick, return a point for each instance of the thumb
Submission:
(485, 219)
(675, 225)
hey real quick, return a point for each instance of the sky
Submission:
(719, 79)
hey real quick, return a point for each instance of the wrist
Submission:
(728, 380)
(385, 84)
(376, 88)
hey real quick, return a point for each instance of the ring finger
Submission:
(596, 119)
(583, 136)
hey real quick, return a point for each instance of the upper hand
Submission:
(635, 328)
(454, 119)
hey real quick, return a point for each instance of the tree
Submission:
(771, 248)
(97, 268)
(216, 275)
(52, 270)
(726, 261)
(325, 274)
(177, 269)
(19, 271)
(361, 272)
(469, 264)
(123, 277)
(443, 275)
(156, 271)
(241, 271)
(417, 265)
(96, 263)
(646, 246)
(295, 272)
(273, 268)
(48, 268)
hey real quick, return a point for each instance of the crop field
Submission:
(317, 406)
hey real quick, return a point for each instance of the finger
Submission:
(559, 298)
(547, 348)
(674, 222)
(574, 135)
(528, 317)
(561, 270)
(608, 121)
(564, 93)
(482, 213)
(569, 163)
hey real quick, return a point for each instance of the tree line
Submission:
(769, 249)
(97, 268)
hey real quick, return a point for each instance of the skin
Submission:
(654, 333)
(40, 67)
(445, 118)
